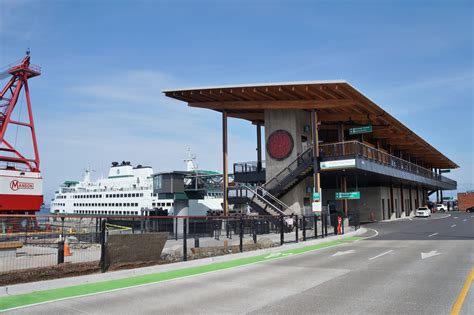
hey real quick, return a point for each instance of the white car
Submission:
(423, 212)
(441, 208)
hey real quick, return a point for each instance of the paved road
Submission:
(410, 267)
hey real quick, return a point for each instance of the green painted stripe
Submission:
(21, 300)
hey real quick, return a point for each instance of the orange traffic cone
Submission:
(67, 250)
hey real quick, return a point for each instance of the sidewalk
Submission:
(180, 268)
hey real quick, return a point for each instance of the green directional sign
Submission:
(445, 171)
(316, 196)
(348, 195)
(447, 198)
(359, 130)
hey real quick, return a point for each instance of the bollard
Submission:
(297, 226)
(241, 234)
(304, 228)
(185, 239)
(133, 225)
(196, 241)
(282, 232)
(61, 252)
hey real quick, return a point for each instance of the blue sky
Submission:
(105, 64)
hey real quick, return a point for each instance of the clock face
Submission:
(280, 144)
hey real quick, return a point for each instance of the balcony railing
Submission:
(247, 167)
(355, 148)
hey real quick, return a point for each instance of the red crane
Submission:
(21, 184)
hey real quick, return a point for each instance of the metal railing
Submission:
(252, 193)
(79, 242)
(247, 167)
(356, 148)
(305, 156)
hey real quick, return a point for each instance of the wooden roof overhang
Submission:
(336, 101)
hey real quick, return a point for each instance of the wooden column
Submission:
(225, 172)
(315, 136)
(259, 147)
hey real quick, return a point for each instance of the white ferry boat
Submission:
(127, 190)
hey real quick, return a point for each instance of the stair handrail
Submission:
(298, 158)
(256, 194)
(267, 193)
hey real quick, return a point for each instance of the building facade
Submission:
(328, 148)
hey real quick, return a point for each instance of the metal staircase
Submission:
(291, 175)
(265, 198)
(258, 198)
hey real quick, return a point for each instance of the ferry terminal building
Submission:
(328, 148)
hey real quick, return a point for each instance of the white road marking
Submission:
(429, 254)
(433, 234)
(464, 220)
(272, 255)
(376, 234)
(453, 225)
(455, 217)
(380, 255)
(343, 253)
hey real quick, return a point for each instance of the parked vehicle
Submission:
(423, 212)
(470, 209)
(441, 208)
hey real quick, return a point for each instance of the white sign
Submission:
(337, 164)
(316, 206)
(16, 185)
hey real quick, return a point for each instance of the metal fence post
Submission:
(343, 224)
(103, 249)
(326, 224)
(176, 228)
(282, 232)
(60, 252)
(241, 234)
(315, 219)
(185, 239)
(304, 228)
(297, 226)
(323, 222)
(255, 231)
(196, 241)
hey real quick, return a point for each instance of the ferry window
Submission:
(168, 204)
(121, 195)
(141, 195)
(129, 195)
(136, 204)
(134, 195)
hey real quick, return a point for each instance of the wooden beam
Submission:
(296, 104)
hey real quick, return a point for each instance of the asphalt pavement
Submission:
(411, 266)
